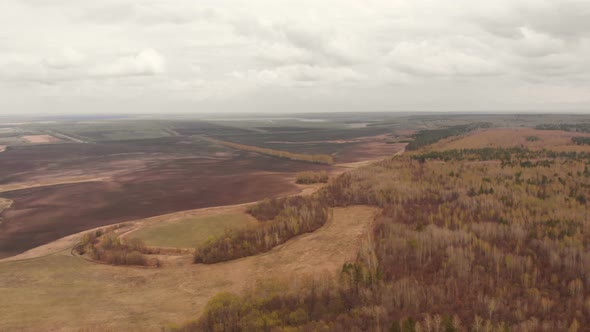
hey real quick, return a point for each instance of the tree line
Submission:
(576, 127)
(310, 158)
(427, 137)
(282, 219)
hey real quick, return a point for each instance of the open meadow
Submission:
(190, 232)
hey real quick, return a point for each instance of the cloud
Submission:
(310, 43)
(430, 59)
(142, 13)
(146, 63)
(536, 44)
(300, 75)
(67, 57)
(388, 54)
(71, 65)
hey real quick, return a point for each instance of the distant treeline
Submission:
(427, 137)
(311, 177)
(310, 158)
(581, 140)
(576, 127)
(283, 219)
(508, 156)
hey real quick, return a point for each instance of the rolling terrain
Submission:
(478, 228)
(109, 172)
(136, 299)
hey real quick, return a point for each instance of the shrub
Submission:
(109, 248)
(311, 177)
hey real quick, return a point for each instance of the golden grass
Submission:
(64, 293)
(513, 137)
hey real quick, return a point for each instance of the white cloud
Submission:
(372, 54)
(429, 59)
(146, 63)
(67, 57)
(536, 44)
(300, 75)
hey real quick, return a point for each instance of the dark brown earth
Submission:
(143, 179)
(143, 184)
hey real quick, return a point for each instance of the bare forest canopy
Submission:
(467, 240)
(427, 137)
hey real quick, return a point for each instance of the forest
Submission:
(577, 127)
(427, 137)
(467, 240)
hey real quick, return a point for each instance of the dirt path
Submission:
(52, 182)
(69, 294)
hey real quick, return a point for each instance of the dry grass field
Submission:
(513, 137)
(66, 293)
(190, 232)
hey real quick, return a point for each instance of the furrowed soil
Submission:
(136, 181)
(63, 189)
(66, 293)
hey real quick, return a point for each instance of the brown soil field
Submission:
(40, 139)
(514, 137)
(102, 297)
(62, 189)
(43, 214)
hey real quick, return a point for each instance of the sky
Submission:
(279, 56)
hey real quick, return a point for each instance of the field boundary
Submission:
(309, 158)
(48, 183)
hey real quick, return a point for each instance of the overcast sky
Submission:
(124, 56)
